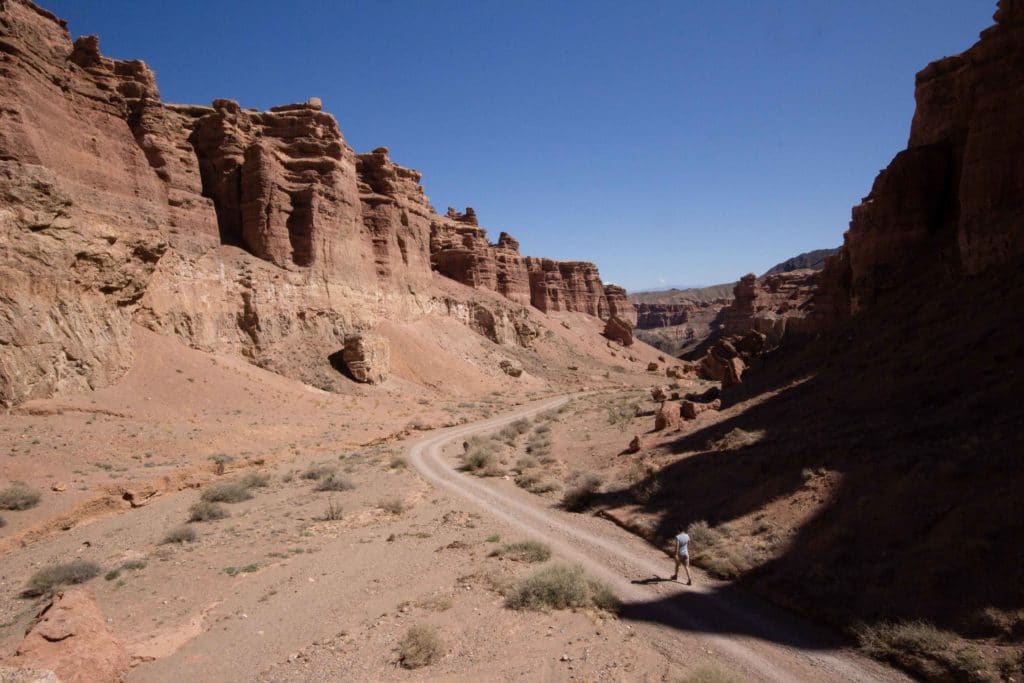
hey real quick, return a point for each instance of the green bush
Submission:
(226, 492)
(180, 534)
(560, 587)
(48, 579)
(420, 646)
(18, 496)
(524, 551)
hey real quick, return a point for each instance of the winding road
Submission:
(760, 641)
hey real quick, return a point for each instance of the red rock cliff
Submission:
(956, 194)
(261, 233)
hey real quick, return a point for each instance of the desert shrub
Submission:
(702, 536)
(220, 462)
(482, 461)
(334, 482)
(255, 480)
(205, 511)
(710, 673)
(48, 579)
(398, 462)
(526, 462)
(393, 505)
(226, 492)
(524, 551)
(3, 522)
(318, 472)
(582, 494)
(917, 645)
(534, 483)
(493, 538)
(333, 512)
(180, 534)
(560, 587)
(538, 444)
(133, 565)
(542, 429)
(420, 646)
(18, 496)
(521, 426)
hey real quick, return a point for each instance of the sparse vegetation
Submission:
(333, 512)
(482, 459)
(421, 646)
(579, 497)
(535, 483)
(18, 496)
(247, 569)
(493, 538)
(318, 472)
(205, 511)
(255, 480)
(226, 492)
(398, 463)
(559, 586)
(524, 551)
(180, 534)
(220, 462)
(334, 482)
(920, 647)
(48, 579)
(393, 505)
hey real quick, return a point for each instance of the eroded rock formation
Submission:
(256, 232)
(954, 195)
(776, 305)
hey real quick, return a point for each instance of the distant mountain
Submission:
(692, 294)
(815, 260)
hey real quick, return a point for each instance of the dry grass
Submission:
(255, 480)
(226, 492)
(393, 505)
(930, 652)
(482, 459)
(559, 586)
(317, 472)
(48, 579)
(205, 511)
(524, 551)
(18, 496)
(715, 551)
(420, 646)
(180, 534)
(579, 497)
(334, 482)
(535, 483)
(333, 512)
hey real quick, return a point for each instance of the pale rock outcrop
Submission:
(367, 357)
(71, 638)
(619, 331)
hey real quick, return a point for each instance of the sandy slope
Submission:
(764, 644)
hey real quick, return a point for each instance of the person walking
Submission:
(682, 556)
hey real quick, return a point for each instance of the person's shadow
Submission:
(650, 580)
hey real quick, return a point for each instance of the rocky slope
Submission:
(260, 233)
(813, 260)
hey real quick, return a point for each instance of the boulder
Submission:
(367, 357)
(619, 330)
(70, 637)
(691, 409)
(652, 367)
(667, 416)
(635, 444)
(704, 397)
(681, 371)
(511, 368)
(734, 368)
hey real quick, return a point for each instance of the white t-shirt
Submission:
(684, 543)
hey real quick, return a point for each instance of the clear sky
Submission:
(678, 142)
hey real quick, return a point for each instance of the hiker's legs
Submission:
(686, 566)
(675, 574)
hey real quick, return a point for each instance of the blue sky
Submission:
(674, 143)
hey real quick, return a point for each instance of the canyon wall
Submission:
(954, 196)
(774, 305)
(260, 233)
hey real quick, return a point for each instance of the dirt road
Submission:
(757, 641)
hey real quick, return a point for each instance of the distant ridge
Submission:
(814, 260)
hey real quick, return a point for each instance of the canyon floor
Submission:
(301, 584)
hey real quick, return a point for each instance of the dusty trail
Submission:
(763, 643)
